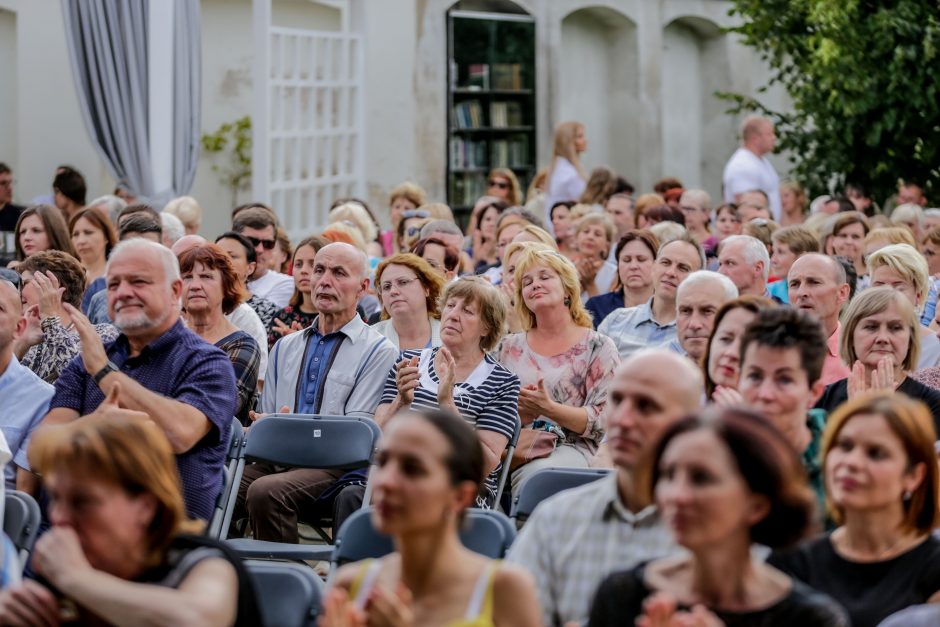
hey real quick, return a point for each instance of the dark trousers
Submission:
(347, 501)
(275, 498)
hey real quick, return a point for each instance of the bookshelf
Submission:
(490, 102)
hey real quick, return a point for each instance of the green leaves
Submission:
(233, 138)
(861, 75)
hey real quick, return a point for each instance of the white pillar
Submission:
(261, 26)
(160, 105)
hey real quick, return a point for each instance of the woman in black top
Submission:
(722, 482)
(879, 339)
(120, 550)
(881, 482)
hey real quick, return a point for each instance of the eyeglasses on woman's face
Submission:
(499, 184)
(386, 286)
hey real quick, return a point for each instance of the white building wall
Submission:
(613, 64)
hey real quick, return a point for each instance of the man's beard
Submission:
(137, 322)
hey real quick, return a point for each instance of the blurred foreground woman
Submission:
(120, 550)
(430, 467)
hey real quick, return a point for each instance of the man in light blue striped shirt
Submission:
(654, 323)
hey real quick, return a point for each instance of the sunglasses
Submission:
(415, 213)
(12, 277)
(267, 243)
(499, 184)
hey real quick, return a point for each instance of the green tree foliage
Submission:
(864, 80)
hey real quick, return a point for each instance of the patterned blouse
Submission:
(59, 345)
(243, 350)
(288, 316)
(578, 377)
(264, 308)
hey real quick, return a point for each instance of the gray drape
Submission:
(107, 43)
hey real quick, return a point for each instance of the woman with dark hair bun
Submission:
(430, 466)
(722, 481)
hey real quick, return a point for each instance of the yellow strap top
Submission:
(479, 609)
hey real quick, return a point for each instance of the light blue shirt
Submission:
(25, 401)
(633, 328)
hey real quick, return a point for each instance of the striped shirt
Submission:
(488, 398)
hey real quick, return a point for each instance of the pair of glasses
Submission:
(13, 278)
(499, 184)
(401, 284)
(267, 243)
(411, 231)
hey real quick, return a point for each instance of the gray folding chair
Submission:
(289, 595)
(504, 471)
(232, 455)
(21, 519)
(484, 531)
(301, 442)
(547, 482)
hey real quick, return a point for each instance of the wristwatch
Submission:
(101, 374)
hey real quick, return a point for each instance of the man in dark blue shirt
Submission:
(183, 383)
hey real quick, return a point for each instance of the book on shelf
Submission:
(466, 188)
(467, 114)
(505, 114)
(465, 153)
(510, 153)
(478, 76)
(506, 76)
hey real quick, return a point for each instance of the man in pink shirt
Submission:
(817, 284)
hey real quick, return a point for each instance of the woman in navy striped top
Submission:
(459, 376)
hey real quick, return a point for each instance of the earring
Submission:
(907, 495)
(567, 301)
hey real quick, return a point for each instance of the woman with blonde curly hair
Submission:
(564, 365)
(408, 288)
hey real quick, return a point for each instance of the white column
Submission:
(261, 26)
(160, 67)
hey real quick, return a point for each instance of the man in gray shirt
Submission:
(579, 536)
(337, 366)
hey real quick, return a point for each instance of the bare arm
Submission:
(514, 600)
(207, 596)
(493, 446)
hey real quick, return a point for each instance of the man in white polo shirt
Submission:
(749, 169)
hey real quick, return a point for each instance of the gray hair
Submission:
(440, 226)
(699, 196)
(933, 212)
(112, 204)
(173, 228)
(360, 255)
(523, 213)
(753, 250)
(908, 212)
(707, 276)
(136, 245)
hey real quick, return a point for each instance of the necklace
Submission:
(881, 555)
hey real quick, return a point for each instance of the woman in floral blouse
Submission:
(49, 279)
(564, 365)
(300, 311)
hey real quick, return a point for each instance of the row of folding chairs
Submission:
(291, 594)
(302, 441)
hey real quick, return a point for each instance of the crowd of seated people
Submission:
(756, 382)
